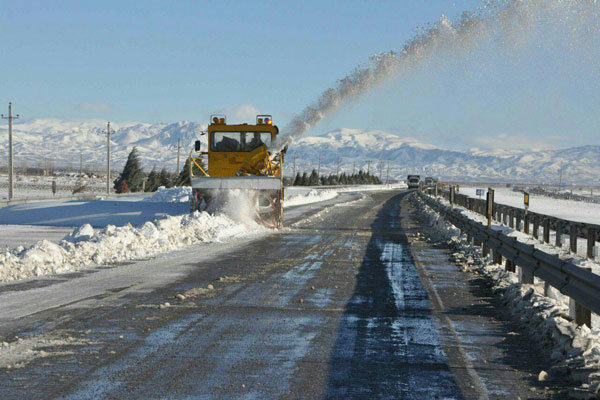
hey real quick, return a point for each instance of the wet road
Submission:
(347, 304)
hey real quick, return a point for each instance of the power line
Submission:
(10, 150)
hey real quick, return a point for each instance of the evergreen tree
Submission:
(132, 173)
(314, 178)
(298, 180)
(165, 178)
(305, 181)
(323, 180)
(152, 182)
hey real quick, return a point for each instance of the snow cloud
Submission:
(242, 113)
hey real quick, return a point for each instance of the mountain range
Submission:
(61, 143)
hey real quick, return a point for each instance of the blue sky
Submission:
(169, 61)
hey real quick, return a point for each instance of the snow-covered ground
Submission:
(117, 230)
(30, 187)
(576, 350)
(566, 209)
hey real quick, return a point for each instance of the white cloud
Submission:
(94, 107)
(242, 113)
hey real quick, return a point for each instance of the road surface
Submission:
(345, 304)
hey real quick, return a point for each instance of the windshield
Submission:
(239, 141)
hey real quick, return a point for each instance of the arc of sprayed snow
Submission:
(463, 35)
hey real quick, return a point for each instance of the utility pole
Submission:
(387, 175)
(560, 179)
(380, 169)
(108, 158)
(80, 165)
(10, 150)
(319, 168)
(368, 167)
(178, 150)
(338, 169)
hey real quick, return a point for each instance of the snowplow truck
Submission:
(239, 163)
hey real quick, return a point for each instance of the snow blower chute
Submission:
(240, 164)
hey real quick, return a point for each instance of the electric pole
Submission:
(560, 179)
(10, 150)
(80, 165)
(108, 158)
(380, 168)
(338, 169)
(368, 167)
(387, 175)
(178, 150)
(319, 168)
(354, 169)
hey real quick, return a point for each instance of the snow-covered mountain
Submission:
(407, 155)
(62, 142)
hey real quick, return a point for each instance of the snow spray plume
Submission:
(510, 19)
(237, 204)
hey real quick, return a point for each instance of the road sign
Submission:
(479, 192)
(526, 199)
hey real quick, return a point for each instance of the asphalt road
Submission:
(345, 304)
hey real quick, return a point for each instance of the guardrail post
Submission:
(558, 241)
(485, 250)
(591, 242)
(518, 224)
(526, 224)
(536, 226)
(546, 230)
(497, 257)
(509, 266)
(504, 216)
(573, 238)
(511, 218)
(580, 314)
(525, 276)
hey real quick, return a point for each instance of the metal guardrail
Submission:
(531, 222)
(579, 284)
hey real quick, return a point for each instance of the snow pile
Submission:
(180, 194)
(313, 196)
(86, 247)
(576, 350)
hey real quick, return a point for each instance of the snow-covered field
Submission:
(117, 230)
(29, 187)
(566, 209)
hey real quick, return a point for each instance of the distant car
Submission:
(413, 181)
(429, 181)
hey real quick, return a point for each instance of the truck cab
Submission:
(413, 181)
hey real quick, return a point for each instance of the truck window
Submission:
(239, 141)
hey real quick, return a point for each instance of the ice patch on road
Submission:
(85, 247)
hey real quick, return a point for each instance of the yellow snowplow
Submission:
(239, 163)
